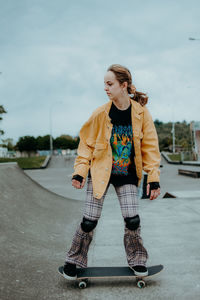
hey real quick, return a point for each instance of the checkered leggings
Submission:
(135, 252)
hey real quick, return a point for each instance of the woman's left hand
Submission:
(154, 193)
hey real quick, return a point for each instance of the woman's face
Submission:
(112, 86)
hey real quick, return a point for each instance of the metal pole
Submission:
(50, 136)
(173, 136)
(174, 147)
(0, 134)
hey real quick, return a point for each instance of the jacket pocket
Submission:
(99, 149)
(90, 142)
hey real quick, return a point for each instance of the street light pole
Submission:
(173, 136)
(50, 137)
(0, 135)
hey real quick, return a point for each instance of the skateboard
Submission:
(83, 274)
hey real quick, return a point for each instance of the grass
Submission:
(26, 162)
(175, 157)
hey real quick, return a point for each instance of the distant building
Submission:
(3, 152)
(195, 132)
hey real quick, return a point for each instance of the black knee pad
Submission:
(88, 225)
(132, 223)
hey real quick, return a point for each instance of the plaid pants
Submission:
(128, 198)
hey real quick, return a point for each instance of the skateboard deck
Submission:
(83, 274)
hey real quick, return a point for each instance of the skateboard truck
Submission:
(84, 282)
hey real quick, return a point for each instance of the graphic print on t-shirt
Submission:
(121, 143)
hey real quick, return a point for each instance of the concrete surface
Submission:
(57, 177)
(37, 227)
(171, 181)
(191, 163)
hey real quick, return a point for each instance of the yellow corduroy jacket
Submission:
(95, 153)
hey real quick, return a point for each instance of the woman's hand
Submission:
(154, 193)
(77, 184)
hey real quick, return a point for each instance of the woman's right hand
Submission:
(77, 184)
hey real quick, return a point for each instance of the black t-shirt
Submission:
(123, 166)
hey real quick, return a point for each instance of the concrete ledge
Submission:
(195, 194)
(191, 173)
(43, 166)
(190, 163)
(169, 195)
(166, 157)
(46, 162)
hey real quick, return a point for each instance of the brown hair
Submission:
(122, 74)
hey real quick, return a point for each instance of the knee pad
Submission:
(132, 223)
(88, 225)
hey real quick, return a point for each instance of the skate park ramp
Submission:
(57, 177)
(174, 185)
(58, 162)
(36, 227)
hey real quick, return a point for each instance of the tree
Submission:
(157, 122)
(8, 143)
(182, 134)
(27, 143)
(61, 143)
(43, 142)
(2, 111)
(66, 142)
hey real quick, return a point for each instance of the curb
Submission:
(165, 155)
(43, 166)
(186, 163)
(46, 162)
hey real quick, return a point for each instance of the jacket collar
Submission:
(136, 107)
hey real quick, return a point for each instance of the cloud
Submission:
(54, 56)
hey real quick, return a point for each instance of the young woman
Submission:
(117, 142)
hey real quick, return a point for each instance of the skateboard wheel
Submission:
(141, 284)
(82, 285)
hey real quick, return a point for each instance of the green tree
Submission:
(8, 143)
(182, 134)
(43, 142)
(2, 111)
(61, 143)
(66, 142)
(158, 123)
(27, 143)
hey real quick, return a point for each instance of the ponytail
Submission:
(139, 97)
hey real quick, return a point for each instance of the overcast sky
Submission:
(54, 54)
